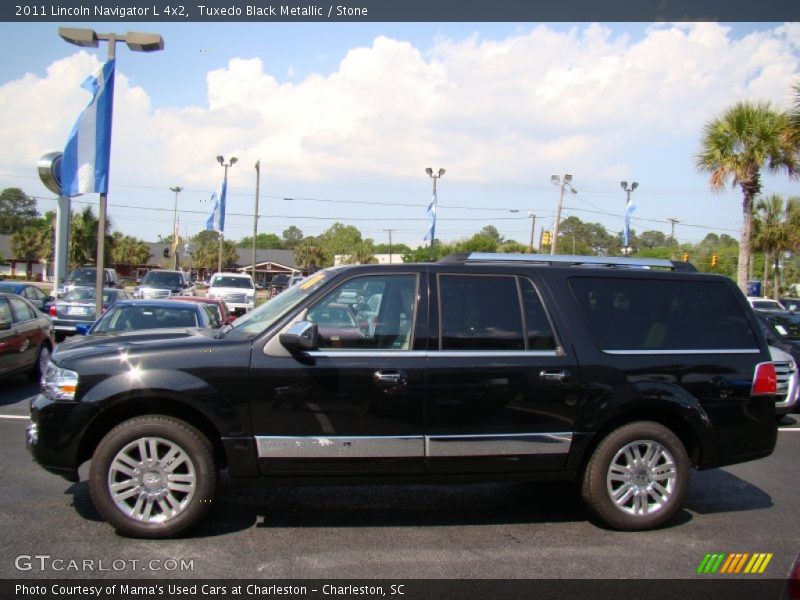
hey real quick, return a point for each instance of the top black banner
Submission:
(64, 11)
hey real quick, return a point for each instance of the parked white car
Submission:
(235, 289)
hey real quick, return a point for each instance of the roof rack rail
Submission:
(565, 260)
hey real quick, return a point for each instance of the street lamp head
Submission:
(233, 160)
(573, 190)
(144, 42)
(441, 172)
(634, 185)
(220, 159)
(555, 179)
(623, 185)
(429, 171)
(567, 177)
(86, 38)
(176, 189)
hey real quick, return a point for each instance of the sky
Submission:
(345, 117)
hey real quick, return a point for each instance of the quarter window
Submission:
(374, 312)
(645, 314)
(480, 312)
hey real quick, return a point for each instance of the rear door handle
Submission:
(389, 378)
(554, 376)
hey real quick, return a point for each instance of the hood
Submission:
(131, 341)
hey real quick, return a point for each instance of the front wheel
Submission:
(637, 477)
(153, 476)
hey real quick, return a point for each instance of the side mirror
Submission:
(301, 337)
(50, 299)
(83, 328)
(6, 325)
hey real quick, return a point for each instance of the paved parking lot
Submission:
(478, 531)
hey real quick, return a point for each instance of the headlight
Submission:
(58, 383)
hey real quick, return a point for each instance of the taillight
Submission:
(53, 312)
(765, 380)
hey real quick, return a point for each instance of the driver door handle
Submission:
(389, 378)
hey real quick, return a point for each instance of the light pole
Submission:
(627, 189)
(533, 227)
(432, 207)
(255, 217)
(137, 42)
(177, 189)
(390, 231)
(565, 183)
(225, 165)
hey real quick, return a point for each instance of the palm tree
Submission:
(775, 231)
(363, 254)
(747, 138)
(310, 256)
(83, 238)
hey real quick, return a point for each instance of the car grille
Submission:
(238, 298)
(154, 293)
(784, 372)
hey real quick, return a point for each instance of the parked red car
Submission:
(225, 315)
(24, 337)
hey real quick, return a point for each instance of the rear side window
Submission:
(480, 312)
(22, 311)
(647, 314)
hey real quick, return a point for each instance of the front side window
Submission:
(650, 314)
(480, 312)
(367, 313)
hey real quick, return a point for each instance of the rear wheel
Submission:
(637, 477)
(153, 476)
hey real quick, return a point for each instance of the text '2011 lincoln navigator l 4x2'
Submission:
(620, 374)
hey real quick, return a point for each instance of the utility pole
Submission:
(565, 183)
(533, 228)
(389, 231)
(672, 237)
(255, 217)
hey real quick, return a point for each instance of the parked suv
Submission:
(619, 374)
(86, 277)
(163, 283)
(235, 289)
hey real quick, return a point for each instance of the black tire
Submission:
(166, 433)
(35, 374)
(598, 483)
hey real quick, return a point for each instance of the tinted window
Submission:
(162, 278)
(22, 312)
(540, 333)
(480, 313)
(375, 312)
(5, 311)
(641, 314)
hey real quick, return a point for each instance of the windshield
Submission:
(162, 278)
(787, 327)
(8, 288)
(84, 295)
(233, 282)
(137, 317)
(82, 275)
(266, 315)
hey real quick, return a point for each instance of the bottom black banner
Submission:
(411, 589)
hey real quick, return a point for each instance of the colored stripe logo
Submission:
(734, 563)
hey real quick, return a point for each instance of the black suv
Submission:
(619, 374)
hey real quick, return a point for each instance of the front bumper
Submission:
(54, 434)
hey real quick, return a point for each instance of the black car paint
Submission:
(238, 392)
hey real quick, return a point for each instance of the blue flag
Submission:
(216, 221)
(84, 167)
(430, 235)
(629, 208)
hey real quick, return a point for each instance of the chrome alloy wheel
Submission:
(152, 480)
(641, 477)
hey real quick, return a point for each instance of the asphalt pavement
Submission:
(421, 531)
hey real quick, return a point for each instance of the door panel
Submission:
(356, 404)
